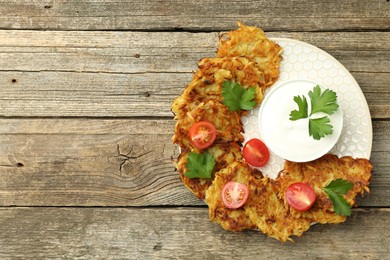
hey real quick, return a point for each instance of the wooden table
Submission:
(86, 126)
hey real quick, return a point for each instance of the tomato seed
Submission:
(241, 194)
(228, 197)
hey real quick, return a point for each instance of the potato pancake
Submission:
(207, 82)
(228, 124)
(224, 155)
(263, 209)
(269, 212)
(318, 174)
(229, 219)
(252, 43)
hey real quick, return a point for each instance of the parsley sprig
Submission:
(335, 189)
(200, 165)
(237, 98)
(325, 102)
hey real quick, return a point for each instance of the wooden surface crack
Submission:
(15, 165)
(127, 158)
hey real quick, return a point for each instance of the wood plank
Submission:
(375, 87)
(180, 233)
(194, 15)
(124, 162)
(123, 74)
(140, 52)
(48, 94)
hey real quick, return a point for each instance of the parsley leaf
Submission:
(232, 93)
(247, 99)
(235, 97)
(323, 102)
(319, 127)
(302, 108)
(335, 189)
(200, 165)
(340, 186)
(340, 205)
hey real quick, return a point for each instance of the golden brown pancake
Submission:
(229, 219)
(318, 174)
(269, 212)
(207, 82)
(224, 155)
(227, 124)
(252, 43)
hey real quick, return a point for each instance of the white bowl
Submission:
(290, 139)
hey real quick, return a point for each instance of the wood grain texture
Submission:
(181, 233)
(90, 163)
(141, 52)
(123, 162)
(48, 94)
(85, 126)
(122, 74)
(193, 15)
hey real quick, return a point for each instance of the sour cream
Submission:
(290, 139)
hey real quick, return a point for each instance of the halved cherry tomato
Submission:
(202, 134)
(234, 195)
(256, 152)
(300, 196)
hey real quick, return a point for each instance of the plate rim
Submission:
(361, 94)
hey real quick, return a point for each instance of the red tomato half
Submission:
(234, 195)
(256, 152)
(300, 196)
(202, 134)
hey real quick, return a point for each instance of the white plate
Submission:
(304, 61)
